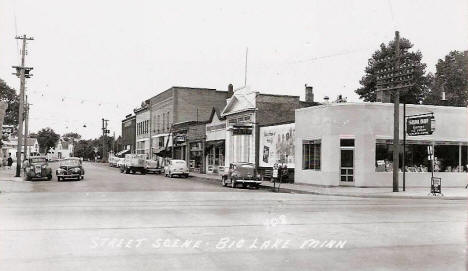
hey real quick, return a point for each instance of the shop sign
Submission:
(420, 125)
(242, 131)
(179, 139)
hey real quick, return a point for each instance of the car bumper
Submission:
(179, 172)
(248, 181)
(75, 175)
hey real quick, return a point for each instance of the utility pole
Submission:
(22, 72)
(396, 119)
(395, 76)
(104, 133)
(26, 120)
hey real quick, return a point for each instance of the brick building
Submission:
(189, 144)
(142, 128)
(129, 134)
(179, 105)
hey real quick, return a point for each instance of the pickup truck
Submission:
(133, 163)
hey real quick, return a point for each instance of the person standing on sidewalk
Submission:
(9, 161)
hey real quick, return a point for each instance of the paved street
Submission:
(112, 221)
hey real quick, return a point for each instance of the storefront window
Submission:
(311, 154)
(449, 156)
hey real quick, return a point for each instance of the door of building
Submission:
(347, 161)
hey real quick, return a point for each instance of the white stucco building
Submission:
(350, 144)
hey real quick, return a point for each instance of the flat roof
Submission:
(378, 104)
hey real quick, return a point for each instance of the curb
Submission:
(369, 196)
(298, 191)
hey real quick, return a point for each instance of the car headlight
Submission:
(76, 170)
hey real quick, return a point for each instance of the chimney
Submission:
(309, 94)
(230, 90)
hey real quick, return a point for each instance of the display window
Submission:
(448, 156)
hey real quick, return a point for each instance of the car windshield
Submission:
(246, 169)
(38, 160)
(70, 163)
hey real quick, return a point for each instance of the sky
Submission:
(101, 59)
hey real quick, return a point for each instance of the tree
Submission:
(451, 77)
(47, 139)
(73, 135)
(369, 80)
(8, 95)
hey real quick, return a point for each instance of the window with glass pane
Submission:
(449, 156)
(311, 154)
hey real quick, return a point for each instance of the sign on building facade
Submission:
(277, 145)
(420, 125)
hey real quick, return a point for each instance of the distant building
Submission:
(128, 134)
(63, 149)
(142, 129)
(11, 146)
(156, 116)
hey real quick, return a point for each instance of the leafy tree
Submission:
(73, 135)
(451, 77)
(85, 149)
(8, 95)
(369, 80)
(47, 139)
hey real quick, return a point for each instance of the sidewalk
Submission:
(10, 183)
(8, 174)
(450, 193)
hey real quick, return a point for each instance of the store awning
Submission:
(122, 152)
(162, 151)
(214, 143)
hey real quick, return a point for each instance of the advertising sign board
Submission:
(277, 145)
(420, 125)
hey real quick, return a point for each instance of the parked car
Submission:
(153, 166)
(37, 167)
(176, 167)
(120, 162)
(112, 161)
(242, 173)
(133, 163)
(70, 168)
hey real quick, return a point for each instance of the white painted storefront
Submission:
(215, 144)
(240, 130)
(350, 144)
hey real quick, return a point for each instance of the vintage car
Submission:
(70, 168)
(120, 162)
(133, 163)
(176, 167)
(37, 167)
(242, 173)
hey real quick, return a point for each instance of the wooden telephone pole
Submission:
(26, 128)
(22, 72)
(395, 76)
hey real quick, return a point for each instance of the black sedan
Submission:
(70, 168)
